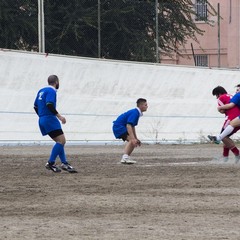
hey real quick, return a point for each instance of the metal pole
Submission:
(41, 31)
(219, 44)
(99, 29)
(157, 37)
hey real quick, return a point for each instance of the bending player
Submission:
(124, 128)
(224, 100)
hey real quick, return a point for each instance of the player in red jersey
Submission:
(224, 98)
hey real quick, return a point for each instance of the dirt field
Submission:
(175, 192)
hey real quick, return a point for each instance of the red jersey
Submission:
(230, 113)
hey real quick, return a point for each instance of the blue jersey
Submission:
(48, 122)
(236, 99)
(130, 117)
(44, 96)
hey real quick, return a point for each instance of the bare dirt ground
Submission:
(174, 192)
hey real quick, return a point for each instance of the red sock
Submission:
(235, 151)
(225, 151)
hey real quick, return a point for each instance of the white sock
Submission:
(228, 130)
(125, 156)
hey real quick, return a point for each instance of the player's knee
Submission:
(133, 143)
(235, 123)
(231, 146)
(63, 141)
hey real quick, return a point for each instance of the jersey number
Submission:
(40, 95)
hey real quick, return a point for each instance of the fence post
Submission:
(157, 33)
(99, 29)
(41, 31)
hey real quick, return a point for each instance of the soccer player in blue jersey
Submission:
(49, 123)
(124, 128)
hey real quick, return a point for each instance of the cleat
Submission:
(213, 139)
(127, 161)
(225, 159)
(53, 167)
(221, 159)
(68, 167)
(237, 159)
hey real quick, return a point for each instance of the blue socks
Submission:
(57, 150)
(62, 156)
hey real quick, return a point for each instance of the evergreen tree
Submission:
(71, 27)
(128, 27)
(18, 24)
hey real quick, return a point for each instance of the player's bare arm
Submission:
(131, 134)
(226, 106)
(130, 130)
(61, 118)
(138, 141)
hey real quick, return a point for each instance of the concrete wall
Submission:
(93, 92)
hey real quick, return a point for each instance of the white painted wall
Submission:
(93, 92)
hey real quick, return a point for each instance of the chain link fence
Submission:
(124, 30)
(133, 30)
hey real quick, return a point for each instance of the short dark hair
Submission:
(141, 100)
(218, 90)
(52, 79)
(237, 85)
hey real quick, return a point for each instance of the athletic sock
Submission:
(228, 130)
(125, 156)
(225, 151)
(57, 148)
(235, 151)
(62, 156)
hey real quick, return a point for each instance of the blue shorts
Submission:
(118, 131)
(48, 124)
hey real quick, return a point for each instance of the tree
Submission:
(177, 24)
(18, 24)
(127, 30)
(71, 27)
(128, 27)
